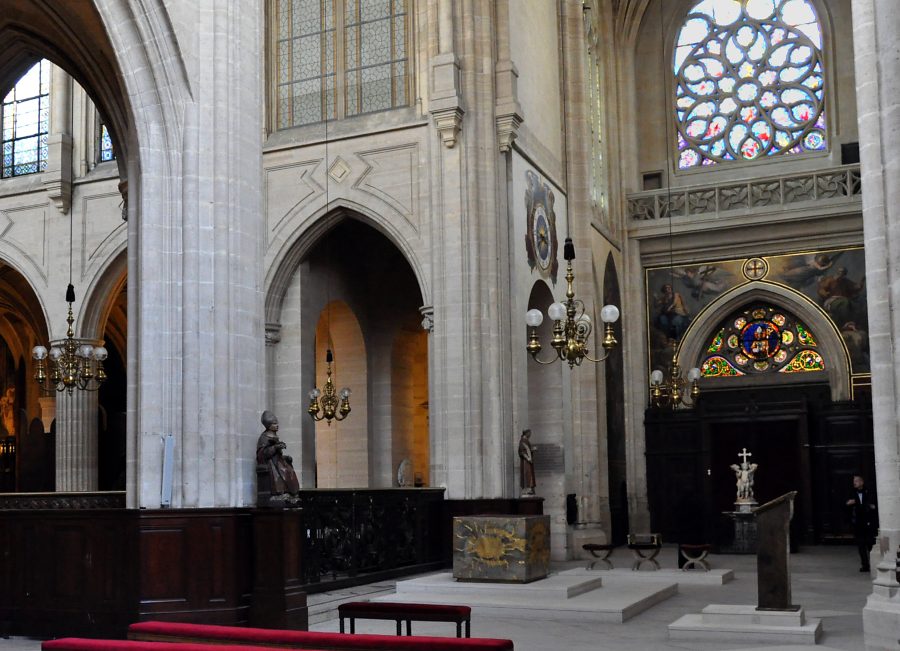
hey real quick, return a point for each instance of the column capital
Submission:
(427, 312)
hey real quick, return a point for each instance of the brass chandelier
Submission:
(572, 327)
(670, 391)
(334, 406)
(73, 365)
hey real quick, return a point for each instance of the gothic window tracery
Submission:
(338, 58)
(749, 81)
(761, 339)
(25, 121)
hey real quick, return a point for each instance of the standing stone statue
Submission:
(277, 481)
(744, 475)
(526, 469)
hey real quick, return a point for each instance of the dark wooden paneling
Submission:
(93, 572)
(796, 433)
(190, 566)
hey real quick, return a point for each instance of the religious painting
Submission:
(832, 279)
(541, 243)
(8, 393)
(836, 282)
(678, 294)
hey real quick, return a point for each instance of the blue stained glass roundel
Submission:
(752, 71)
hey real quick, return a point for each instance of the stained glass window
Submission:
(25, 120)
(105, 145)
(761, 339)
(336, 58)
(749, 81)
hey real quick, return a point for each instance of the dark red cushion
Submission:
(402, 608)
(81, 644)
(313, 639)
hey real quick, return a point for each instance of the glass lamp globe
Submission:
(609, 314)
(55, 353)
(656, 377)
(100, 353)
(556, 312)
(345, 393)
(85, 351)
(39, 353)
(694, 374)
(314, 393)
(534, 318)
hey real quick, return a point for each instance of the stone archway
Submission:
(830, 343)
(357, 265)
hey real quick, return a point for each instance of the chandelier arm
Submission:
(598, 359)
(534, 357)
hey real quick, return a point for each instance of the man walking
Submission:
(864, 519)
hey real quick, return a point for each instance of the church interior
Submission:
(303, 296)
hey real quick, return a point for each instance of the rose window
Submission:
(749, 81)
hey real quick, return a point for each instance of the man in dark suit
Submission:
(863, 518)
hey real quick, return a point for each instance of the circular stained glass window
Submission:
(749, 81)
(760, 339)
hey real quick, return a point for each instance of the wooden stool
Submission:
(695, 555)
(594, 548)
(640, 543)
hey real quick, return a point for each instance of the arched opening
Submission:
(545, 419)
(113, 395)
(354, 276)
(27, 458)
(342, 448)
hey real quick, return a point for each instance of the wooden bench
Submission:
(84, 644)
(596, 550)
(214, 634)
(640, 543)
(406, 612)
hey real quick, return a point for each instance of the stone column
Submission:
(196, 346)
(58, 174)
(876, 42)
(76, 440)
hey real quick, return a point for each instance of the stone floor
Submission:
(826, 582)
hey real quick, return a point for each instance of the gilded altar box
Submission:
(510, 548)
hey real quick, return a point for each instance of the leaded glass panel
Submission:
(305, 65)
(375, 55)
(336, 58)
(749, 81)
(106, 152)
(25, 119)
(761, 339)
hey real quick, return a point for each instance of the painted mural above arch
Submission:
(833, 280)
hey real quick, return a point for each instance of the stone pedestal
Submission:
(745, 533)
(501, 548)
(727, 622)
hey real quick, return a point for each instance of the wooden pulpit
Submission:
(773, 553)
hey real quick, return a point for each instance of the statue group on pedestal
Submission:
(744, 475)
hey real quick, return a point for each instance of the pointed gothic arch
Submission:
(831, 344)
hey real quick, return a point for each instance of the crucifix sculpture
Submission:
(744, 475)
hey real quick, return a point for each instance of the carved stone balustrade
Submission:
(834, 186)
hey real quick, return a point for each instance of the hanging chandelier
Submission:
(73, 364)
(572, 327)
(332, 406)
(669, 391)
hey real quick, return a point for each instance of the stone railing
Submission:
(823, 187)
